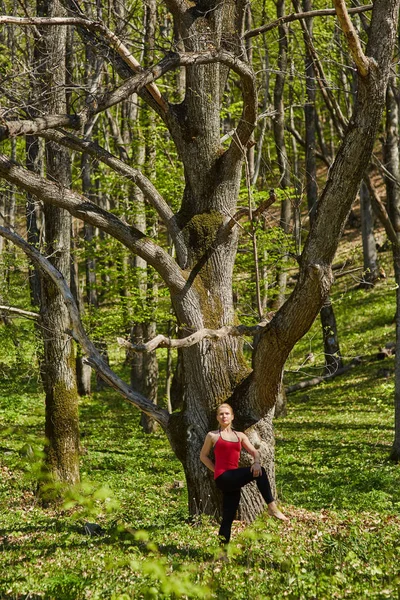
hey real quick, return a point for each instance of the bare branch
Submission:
(150, 192)
(136, 83)
(302, 142)
(255, 214)
(97, 27)
(31, 127)
(304, 15)
(18, 312)
(316, 380)
(362, 62)
(94, 357)
(161, 341)
(384, 171)
(79, 206)
(381, 212)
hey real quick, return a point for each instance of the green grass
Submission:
(333, 475)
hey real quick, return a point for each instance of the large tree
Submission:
(204, 229)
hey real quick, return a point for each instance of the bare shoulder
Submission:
(242, 436)
(213, 436)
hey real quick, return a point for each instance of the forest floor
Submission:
(334, 479)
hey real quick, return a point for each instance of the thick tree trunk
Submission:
(211, 372)
(58, 368)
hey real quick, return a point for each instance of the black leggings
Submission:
(230, 483)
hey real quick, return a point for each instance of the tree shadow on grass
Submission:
(320, 425)
(72, 537)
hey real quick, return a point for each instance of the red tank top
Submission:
(226, 455)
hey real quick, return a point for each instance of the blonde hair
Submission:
(224, 404)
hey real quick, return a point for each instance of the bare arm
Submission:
(205, 451)
(247, 445)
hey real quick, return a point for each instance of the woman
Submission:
(227, 444)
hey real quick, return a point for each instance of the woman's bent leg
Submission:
(264, 486)
(234, 479)
(230, 484)
(237, 478)
(229, 507)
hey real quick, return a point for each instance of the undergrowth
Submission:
(333, 476)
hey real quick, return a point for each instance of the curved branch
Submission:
(83, 209)
(248, 119)
(362, 62)
(304, 15)
(94, 357)
(150, 192)
(161, 341)
(97, 27)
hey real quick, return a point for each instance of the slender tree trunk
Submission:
(260, 141)
(297, 188)
(370, 253)
(33, 163)
(395, 451)
(279, 136)
(149, 366)
(83, 370)
(391, 158)
(333, 359)
(310, 119)
(330, 338)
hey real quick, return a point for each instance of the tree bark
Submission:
(395, 450)
(33, 163)
(333, 359)
(330, 338)
(83, 370)
(392, 164)
(58, 368)
(281, 150)
(150, 361)
(370, 254)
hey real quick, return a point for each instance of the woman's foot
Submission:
(274, 511)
